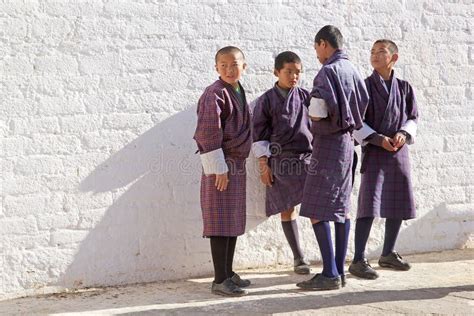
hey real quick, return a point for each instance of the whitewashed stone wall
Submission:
(99, 177)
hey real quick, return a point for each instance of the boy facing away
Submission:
(385, 190)
(282, 143)
(224, 140)
(338, 102)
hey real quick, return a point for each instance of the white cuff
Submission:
(318, 108)
(213, 162)
(363, 133)
(410, 127)
(261, 148)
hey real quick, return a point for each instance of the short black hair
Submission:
(392, 47)
(286, 57)
(331, 34)
(229, 50)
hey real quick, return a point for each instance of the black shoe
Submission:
(240, 282)
(320, 283)
(394, 261)
(227, 288)
(301, 266)
(362, 269)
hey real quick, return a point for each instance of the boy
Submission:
(282, 144)
(224, 140)
(337, 106)
(385, 189)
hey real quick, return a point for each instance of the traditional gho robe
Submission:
(223, 136)
(281, 131)
(386, 189)
(339, 93)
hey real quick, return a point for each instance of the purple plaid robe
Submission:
(328, 184)
(386, 189)
(224, 122)
(284, 122)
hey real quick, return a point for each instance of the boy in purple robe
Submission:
(385, 190)
(337, 106)
(223, 137)
(282, 143)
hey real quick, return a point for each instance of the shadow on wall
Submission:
(152, 230)
(444, 227)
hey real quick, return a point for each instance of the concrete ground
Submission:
(438, 283)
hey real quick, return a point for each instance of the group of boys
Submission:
(304, 142)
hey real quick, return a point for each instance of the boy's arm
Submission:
(317, 109)
(410, 127)
(366, 135)
(409, 130)
(321, 97)
(363, 133)
(262, 129)
(209, 134)
(381, 141)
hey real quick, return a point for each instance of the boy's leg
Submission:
(390, 258)
(342, 239)
(322, 231)
(219, 250)
(354, 166)
(222, 284)
(329, 279)
(230, 261)
(360, 266)
(362, 232)
(392, 227)
(290, 228)
(230, 256)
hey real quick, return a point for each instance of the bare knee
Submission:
(288, 215)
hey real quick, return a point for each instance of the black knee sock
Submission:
(230, 256)
(342, 239)
(322, 231)
(290, 229)
(354, 166)
(362, 231)
(219, 250)
(392, 227)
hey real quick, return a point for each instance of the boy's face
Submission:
(381, 57)
(230, 67)
(321, 51)
(289, 75)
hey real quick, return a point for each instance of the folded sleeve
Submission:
(209, 133)
(262, 128)
(213, 162)
(261, 149)
(323, 88)
(410, 127)
(318, 108)
(361, 134)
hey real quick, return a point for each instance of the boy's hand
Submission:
(387, 144)
(222, 180)
(399, 140)
(266, 175)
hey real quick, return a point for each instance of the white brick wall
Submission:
(100, 184)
